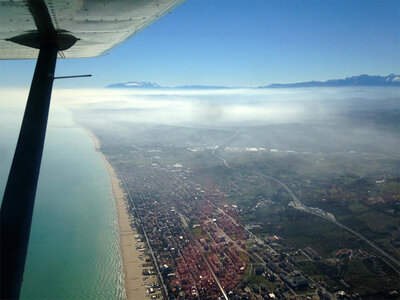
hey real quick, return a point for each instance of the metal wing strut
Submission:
(19, 196)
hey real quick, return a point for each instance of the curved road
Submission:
(300, 206)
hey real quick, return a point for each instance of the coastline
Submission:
(131, 247)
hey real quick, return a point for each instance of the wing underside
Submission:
(98, 25)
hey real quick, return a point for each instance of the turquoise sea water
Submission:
(74, 246)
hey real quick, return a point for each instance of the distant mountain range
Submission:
(135, 84)
(152, 85)
(361, 80)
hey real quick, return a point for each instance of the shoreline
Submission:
(130, 247)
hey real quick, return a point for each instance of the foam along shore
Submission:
(132, 248)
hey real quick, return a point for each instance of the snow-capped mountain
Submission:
(361, 80)
(135, 84)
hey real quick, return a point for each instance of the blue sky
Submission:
(244, 43)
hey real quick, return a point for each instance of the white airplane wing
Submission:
(99, 25)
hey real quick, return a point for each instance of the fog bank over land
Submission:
(302, 119)
(230, 107)
(363, 119)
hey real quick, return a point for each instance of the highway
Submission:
(297, 204)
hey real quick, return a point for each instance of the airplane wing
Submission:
(47, 29)
(98, 25)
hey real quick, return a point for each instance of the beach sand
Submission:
(132, 258)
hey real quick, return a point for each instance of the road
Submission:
(297, 204)
(208, 265)
(165, 290)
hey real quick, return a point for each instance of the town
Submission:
(208, 236)
(258, 211)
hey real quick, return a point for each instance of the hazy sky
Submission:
(244, 43)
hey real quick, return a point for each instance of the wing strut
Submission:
(19, 196)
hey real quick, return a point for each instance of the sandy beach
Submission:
(132, 253)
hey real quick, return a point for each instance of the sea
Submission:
(74, 245)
